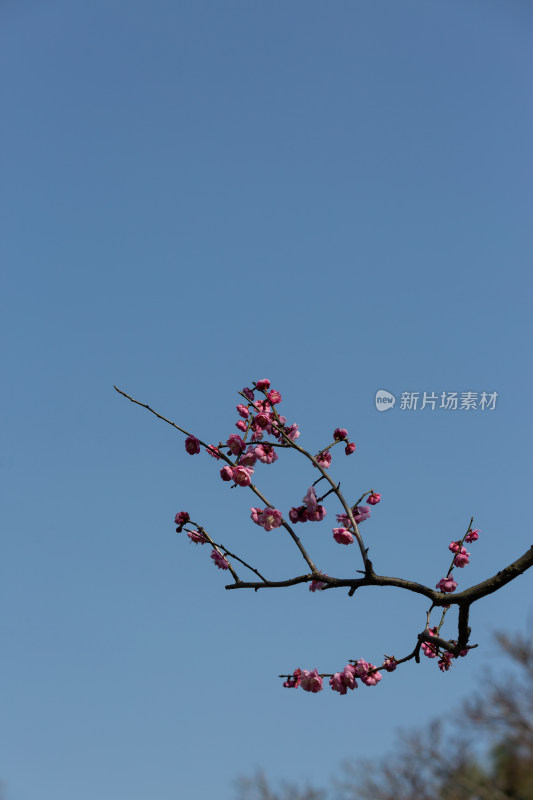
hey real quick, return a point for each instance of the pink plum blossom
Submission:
(180, 520)
(270, 518)
(317, 515)
(349, 449)
(315, 512)
(219, 560)
(243, 411)
(263, 385)
(339, 434)
(249, 458)
(241, 425)
(236, 444)
(344, 520)
(342, 681)
(389, 664)
(360, 513)
(242, 475)
(348, 676)
(428, 649)
(262, 420)
(361, 667)
(472, 536)
(292, 431)
(324, 459)
(374, 498)
(371, 678)
(462, 558)
(342, 536)
(445, 662)
(248, 393)
(192, 445)
(294, 680)
(266, 453)
(274, 397)
(447, 585)
(337, 683)
(256, 513)
(298, 514)
(197, 537)
(311, 681)
(226, 473)
(454, 547)
(213, 451)
(317, 585)
(310, 500)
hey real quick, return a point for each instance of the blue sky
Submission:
(196, 196)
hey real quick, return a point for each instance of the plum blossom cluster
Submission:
(432, 651)
(310, 511)
(340, 681)
(263, 433)
(259, 417)
(460, 559)
(344, 533)
(448, 585)
(240, 475)
(339, 435)
(242, 453)
(200, 537)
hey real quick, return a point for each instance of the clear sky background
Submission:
(196, 195)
